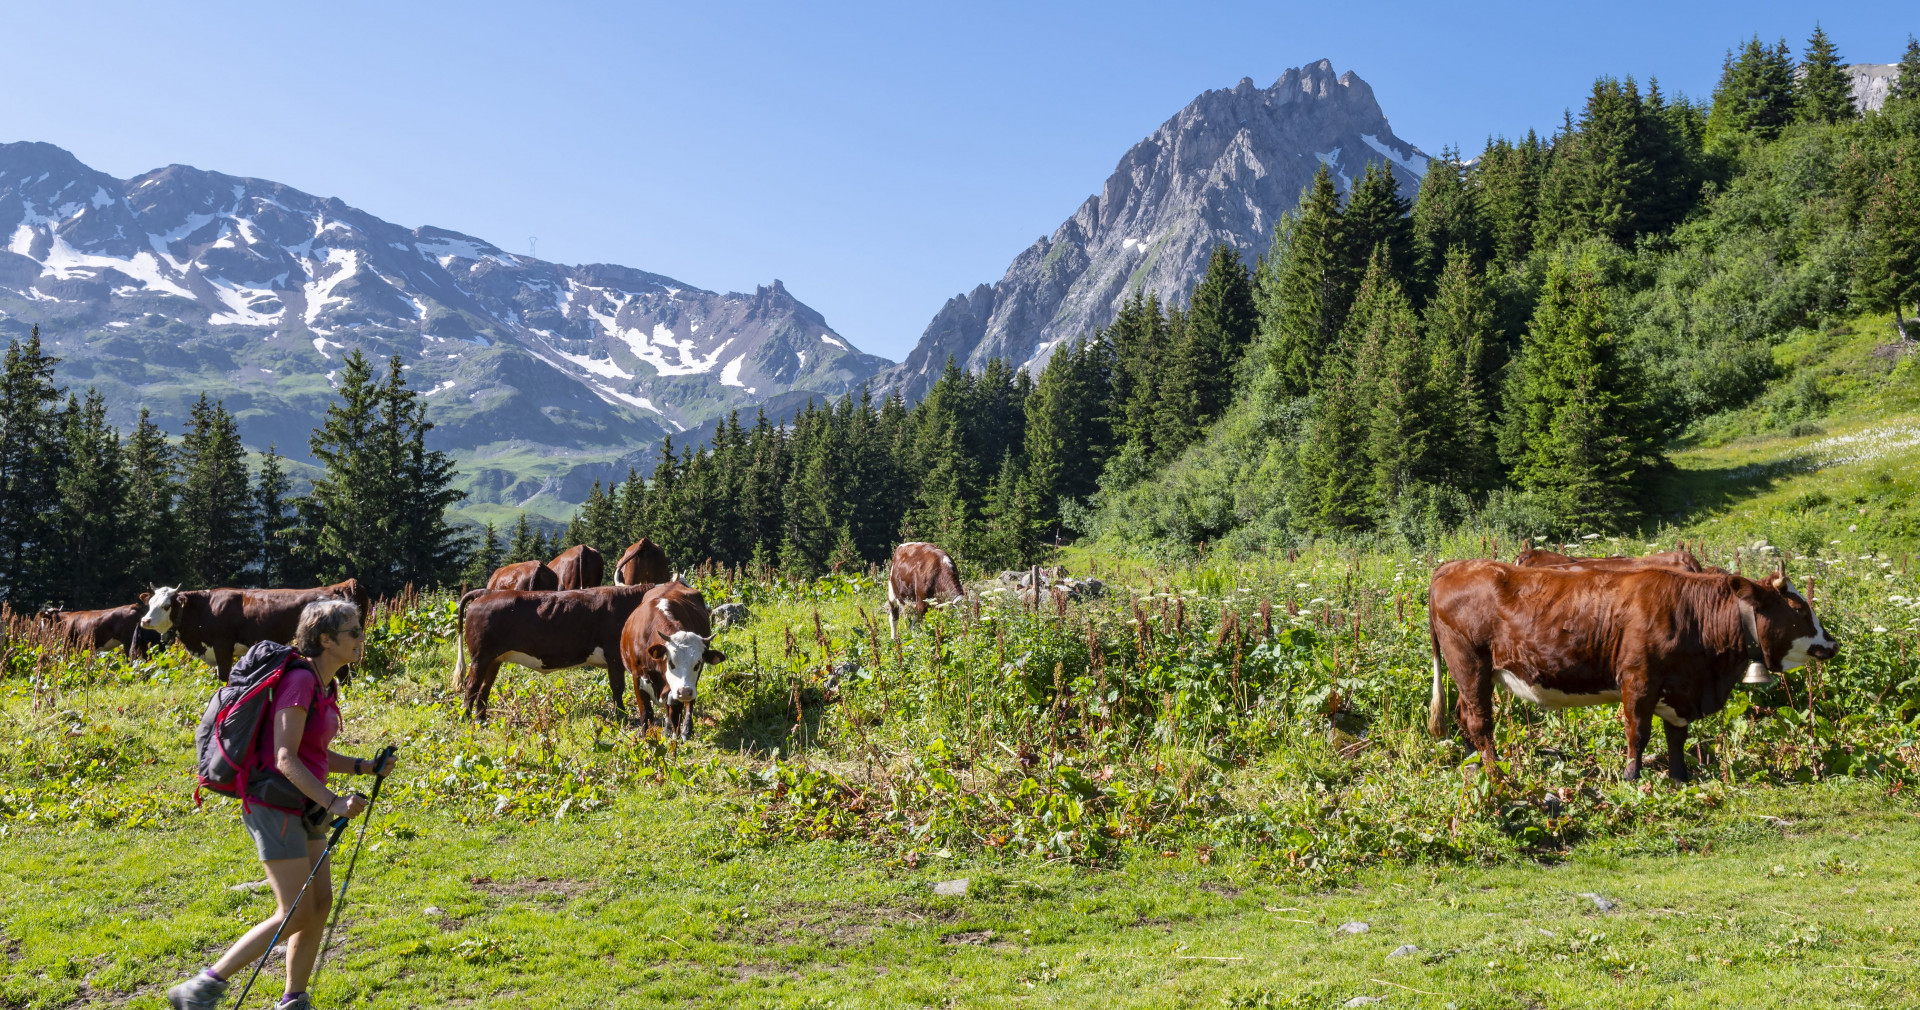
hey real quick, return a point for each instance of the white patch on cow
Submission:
(530, 662)
(599, 657)
(661, 605)
(1668, 715)
(159, 615)
(686, 654)
(1547, 697)
(206, 656)
(111, 645)
(1798, 654)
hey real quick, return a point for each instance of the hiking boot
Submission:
(201, 992)
(296, 1002)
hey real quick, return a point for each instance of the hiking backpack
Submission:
(227, 744)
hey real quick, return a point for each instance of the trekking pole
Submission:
(379, 761)
(339, 828)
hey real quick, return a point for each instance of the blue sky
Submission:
(878, 158)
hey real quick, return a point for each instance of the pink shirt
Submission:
(297, 689)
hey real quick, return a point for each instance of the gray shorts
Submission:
(281, 835)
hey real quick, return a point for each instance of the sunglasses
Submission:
(355, 632)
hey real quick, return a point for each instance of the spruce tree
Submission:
(1376, 217)
(1600, 182)
(1460, 330)
(1221, 321)
(1576, 429)
(1755, 93)
(1446, 216)
(485, 556)
(1906, 81)
(1068, 435)
(1302, 288)
(350, 506)
(1824, 92)
(219, 530)
(1335, 462)
(1507, 179)
(426, 548)
(1007, 533)
(271, 490)
(150, 506)
(526, 544)
(94, 551)
(1889, 274)
(1405, 429)
(31, 457)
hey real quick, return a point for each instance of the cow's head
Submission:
(684, 654)
(1789, 629)
(163, 608)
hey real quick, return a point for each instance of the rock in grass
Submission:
(731, 615)
(1354, 927)
(1404, 950)
(433, 910)
(251, 887)
(1603, 904)
(1365, 1000)
(951, 888)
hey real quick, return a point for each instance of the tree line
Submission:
(89, 519)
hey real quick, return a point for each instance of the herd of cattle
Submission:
(1661, 635)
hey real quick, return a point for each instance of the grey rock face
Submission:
(1871, 82)
(1222, 170)
(180, 280)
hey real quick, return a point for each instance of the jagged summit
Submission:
(1221, 170)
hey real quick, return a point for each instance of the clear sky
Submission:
(878, 158)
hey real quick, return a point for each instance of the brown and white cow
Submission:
(526, 576)
(541, 630)
(666, 643)
(114, 629)
(643, 563)
(579, 567)
(1658, 641)
(216, 624)
(1679, 557)
(921, 575)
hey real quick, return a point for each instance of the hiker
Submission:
(303, 719)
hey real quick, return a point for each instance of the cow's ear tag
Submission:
(1757, 676)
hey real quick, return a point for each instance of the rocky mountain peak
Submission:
(1222, 169)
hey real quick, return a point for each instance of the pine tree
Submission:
(1906, 82)
(1069, 438)
(1405, 429)
(1301, 288)
(349, 508)
(526, 544)
(271, 490)
(1007, 533)
(1221, 321)
(1460, 330)
(485, 556)
(150, 506)
(1507, 179)
(1755, 93)
(1889, 275)
(1376, 217)
(1600, 182)
(1824, 93)
(1446, 216)
(93, 519)
(426, 548)
(1576, 430)
(30, 462)
(218, 528)
(1335, 461)
(1139, 334)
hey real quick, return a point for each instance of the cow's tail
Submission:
(460, 640)
(1437, 704)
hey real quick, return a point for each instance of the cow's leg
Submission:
(481, 687)
(1636, 707)
(1472, 672)
(1676, 752)
(893, 618)
(617, 683)
(223, 659)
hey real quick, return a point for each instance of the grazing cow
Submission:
(1657, 640)
(579, 567)
(1679, 557)
(526, 576)
(644, 563)
(544, 631)
(114, 629)
(666, 644)
(215, 624)
(920, 575)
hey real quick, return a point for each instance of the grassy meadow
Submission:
(1186, 792)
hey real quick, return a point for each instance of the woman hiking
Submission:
(289, 825)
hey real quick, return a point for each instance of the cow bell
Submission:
(1758, 676)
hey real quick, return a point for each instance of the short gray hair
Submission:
(322, 617)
